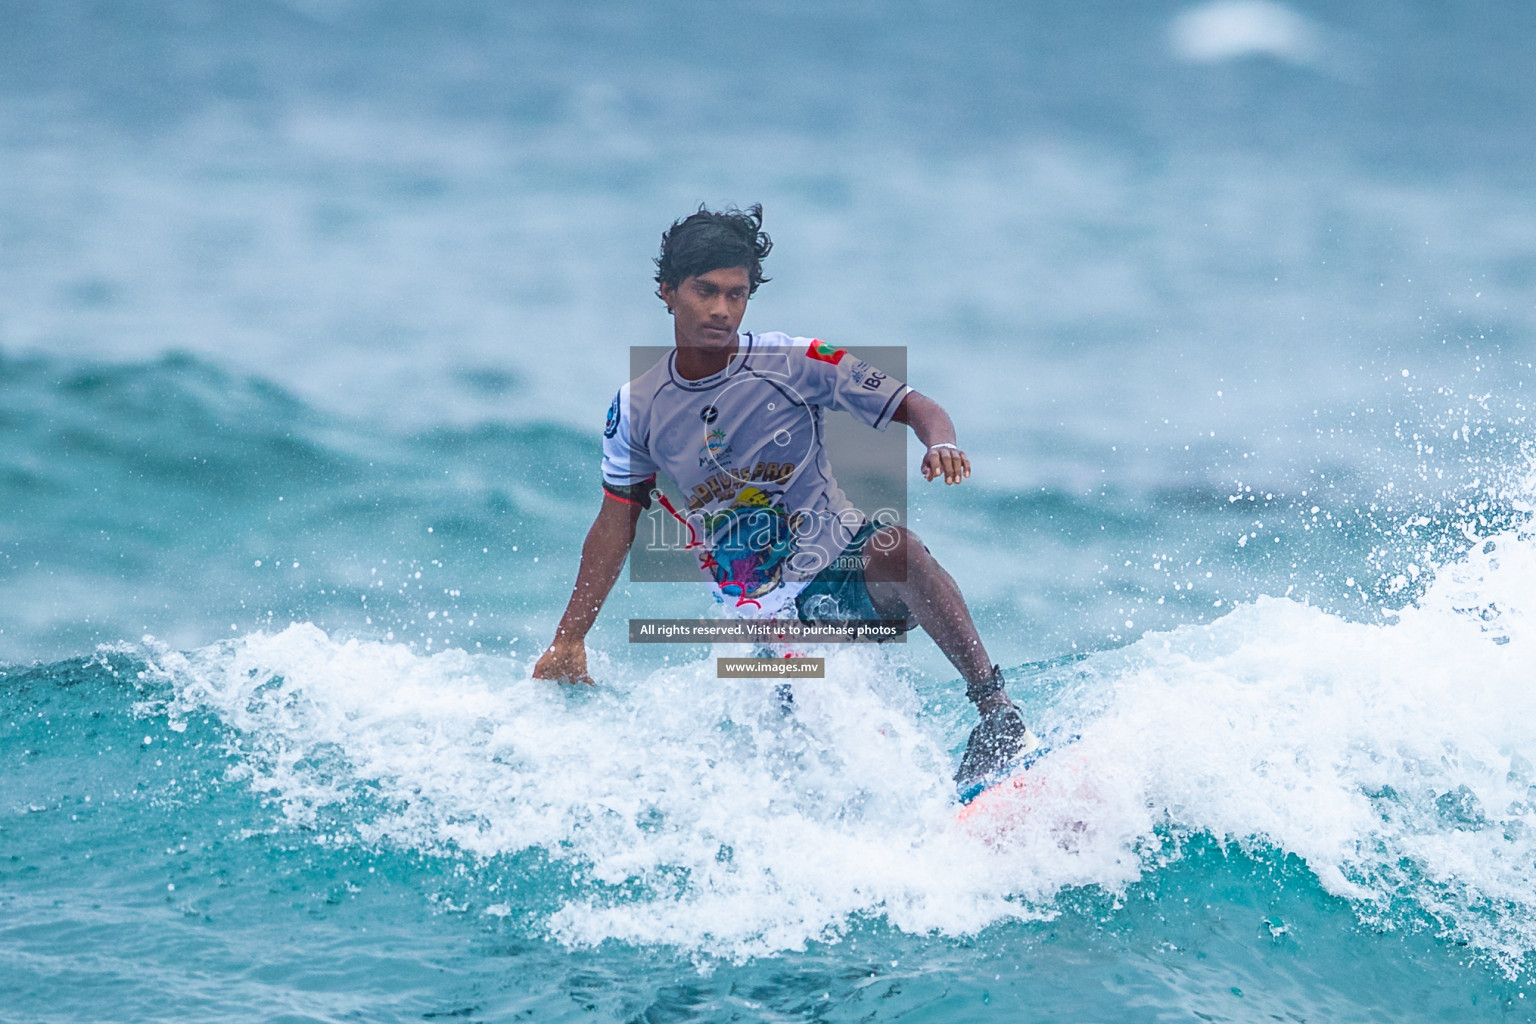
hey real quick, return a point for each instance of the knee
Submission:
(891, 552)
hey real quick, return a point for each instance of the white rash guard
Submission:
(745, 448)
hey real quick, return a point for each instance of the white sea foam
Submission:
(1395, 759)
(1230, 29)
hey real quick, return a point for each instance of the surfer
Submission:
(735, 420)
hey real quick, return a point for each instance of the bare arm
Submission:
(602, 556)
(933, 426)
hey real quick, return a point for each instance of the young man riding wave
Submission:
(781, 540)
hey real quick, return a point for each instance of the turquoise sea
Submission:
(310, 314)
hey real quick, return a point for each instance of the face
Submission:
(708, 308)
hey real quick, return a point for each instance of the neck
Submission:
(698, 363)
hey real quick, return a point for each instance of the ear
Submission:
(667, 294)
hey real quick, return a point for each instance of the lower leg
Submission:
(910, 581)
(906, 580)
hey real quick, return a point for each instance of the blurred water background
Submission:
(310, 313)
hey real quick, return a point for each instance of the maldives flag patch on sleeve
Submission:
(825, 352)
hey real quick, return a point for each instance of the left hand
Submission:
(950, 463)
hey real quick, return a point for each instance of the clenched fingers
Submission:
(950, 463)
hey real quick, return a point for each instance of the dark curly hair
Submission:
(709, 240)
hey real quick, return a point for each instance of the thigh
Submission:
(888, 559)
(844, 591)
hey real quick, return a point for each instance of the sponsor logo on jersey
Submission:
(709, 414)
(865, 376)
(724, 485)
(822, 351)
(612, 426)
(716, 448)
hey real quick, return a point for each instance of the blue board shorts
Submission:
(840, 591)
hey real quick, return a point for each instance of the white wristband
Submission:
(944, 444)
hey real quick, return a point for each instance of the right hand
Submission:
(565, 661)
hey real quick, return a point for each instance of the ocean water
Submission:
(310, 312)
